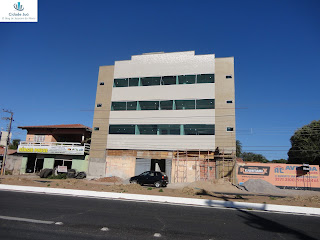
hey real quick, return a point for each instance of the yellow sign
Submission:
(32, 150)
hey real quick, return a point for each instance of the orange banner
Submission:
(281, 175)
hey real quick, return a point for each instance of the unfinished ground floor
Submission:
(179, 166)
(34, 163)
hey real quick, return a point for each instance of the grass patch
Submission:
(273, 198)
(238, 197)
(48, 185)
(57, 184)
(202, 192)
(149, 188)
(59, 176)
(161, 190)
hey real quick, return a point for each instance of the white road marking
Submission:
(29, 220)
(157, 235)
(104, 229)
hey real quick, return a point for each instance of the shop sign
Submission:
(68, 150)
(283, 175)
(254, 170)
(62, 169)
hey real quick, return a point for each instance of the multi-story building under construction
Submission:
(172, 112)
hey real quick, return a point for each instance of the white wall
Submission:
(199, 116)
(165, 64)
(166, 92)
(161, 142)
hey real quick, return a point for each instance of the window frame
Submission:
(118, 79)
(206, 75)
(230, 129)
(39, 138)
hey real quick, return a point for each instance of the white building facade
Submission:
(163, 102)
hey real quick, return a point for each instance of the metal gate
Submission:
(142, 165)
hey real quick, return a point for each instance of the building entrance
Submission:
(39, 165)
(158, 165)
(31, 163)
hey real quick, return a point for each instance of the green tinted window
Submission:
(198, 129)
(205, 104)
(133, 82)
(150, 81)
(185, 104)
(148, 129)
(149, 105)
(205, 78)
(187, 79)
(168, 80)
(118, 106)
(166, 105)
(121, 129)
(166, 129)
(123, 82)
(132, 105)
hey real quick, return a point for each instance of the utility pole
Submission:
(8, 140)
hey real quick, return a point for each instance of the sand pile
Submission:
(261, 186)
(215, 186)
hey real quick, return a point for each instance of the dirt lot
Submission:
(218, 190)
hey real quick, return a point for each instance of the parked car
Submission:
(158, 179)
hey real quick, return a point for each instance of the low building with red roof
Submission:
(49, 146)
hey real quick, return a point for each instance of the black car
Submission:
(158, 179)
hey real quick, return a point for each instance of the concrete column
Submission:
(97, 161)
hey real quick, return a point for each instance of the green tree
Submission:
(305, 145)
(280, 161)
(238, 148)
(253, 157)
(15, 143)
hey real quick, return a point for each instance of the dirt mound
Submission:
(109, 179)
(189, 191)
(261, 186)
(214, 186)
(125, 188)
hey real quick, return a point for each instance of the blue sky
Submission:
(49, 69)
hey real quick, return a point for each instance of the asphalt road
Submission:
(41, 216)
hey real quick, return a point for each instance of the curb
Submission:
(166, 199)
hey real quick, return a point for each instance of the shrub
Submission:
(59, 176)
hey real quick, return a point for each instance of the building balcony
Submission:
(65, 148)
